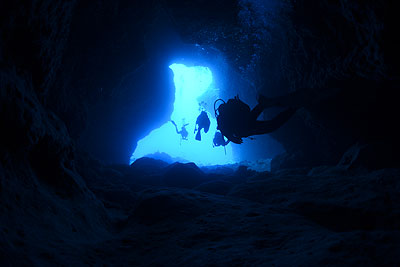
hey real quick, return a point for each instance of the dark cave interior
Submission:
(82, 82)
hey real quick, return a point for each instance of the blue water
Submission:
(194, 92)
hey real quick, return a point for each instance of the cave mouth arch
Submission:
(194, 92)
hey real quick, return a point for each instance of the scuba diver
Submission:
(219, 140)
(183, 132)
(236, 120)
(202, 122)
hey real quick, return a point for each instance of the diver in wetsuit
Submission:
(236, 120)
(219, 140)
(183, 132)
(202, 122)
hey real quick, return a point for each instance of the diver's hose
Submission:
(215, 109)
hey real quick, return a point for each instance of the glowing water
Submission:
(192, 86)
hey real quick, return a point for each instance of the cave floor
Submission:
(292, 218)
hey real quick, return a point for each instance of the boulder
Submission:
(186, 175)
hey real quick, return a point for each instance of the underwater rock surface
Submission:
(330, 216)
(76, 74)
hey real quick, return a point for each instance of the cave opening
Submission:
(196, 88)
(195, 92)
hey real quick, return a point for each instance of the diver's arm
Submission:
(176, 127)
(234, 139)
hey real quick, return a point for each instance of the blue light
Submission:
(193, 92)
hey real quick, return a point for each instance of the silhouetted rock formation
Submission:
(82, 81)
(186, 175)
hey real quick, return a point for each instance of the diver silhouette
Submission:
(183, 132)
(236, 120)
(202, 122)
(219, 139)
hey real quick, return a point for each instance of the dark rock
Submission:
(327, 170)
(215, 187)
(371, 156)
(344, 219)
(94, 75)
(291, 172)
(291, 161)
(148, 165)
(165, 157)
(185, 175)
(244, 171)
(222, 170)
(159, 206)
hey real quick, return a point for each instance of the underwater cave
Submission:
(199, 133)
(196, 92)
(191, 85)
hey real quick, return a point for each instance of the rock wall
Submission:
(39, 184)
(72, 77)
(111, 76)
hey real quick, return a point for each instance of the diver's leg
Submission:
(256, 111)
(264, 127)
(293, 99)
(198, 136)
(264, 103)
(304, 97)
(296, 99)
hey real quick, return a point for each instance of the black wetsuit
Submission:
(236, 120)
(219, 139)
(202, 122)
